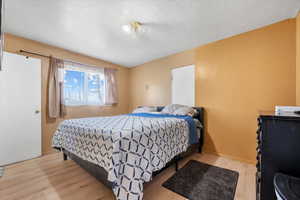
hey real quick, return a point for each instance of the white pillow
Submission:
(145, 109)
(185, 111)
(169, 109)
(177, 109)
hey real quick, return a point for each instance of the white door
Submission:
(20, 105)
(183, 85)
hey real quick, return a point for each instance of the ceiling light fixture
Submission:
(132, 27)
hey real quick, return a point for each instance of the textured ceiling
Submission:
(94, 27)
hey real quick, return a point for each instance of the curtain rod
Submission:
(32, 53)
(70, 61)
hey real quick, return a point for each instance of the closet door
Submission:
(20, 106)
(183, 85)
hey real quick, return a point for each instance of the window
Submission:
(83, 86)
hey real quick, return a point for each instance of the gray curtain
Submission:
(111, 89)
(56, 107)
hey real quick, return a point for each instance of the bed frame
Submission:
(101, 175)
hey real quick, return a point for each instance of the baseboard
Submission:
(50, 152)
(252, 162)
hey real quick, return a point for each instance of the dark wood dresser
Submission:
(278, 150)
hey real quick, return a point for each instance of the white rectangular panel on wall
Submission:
(183, 85)
(20, 105)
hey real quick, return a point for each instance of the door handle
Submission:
(37, 112)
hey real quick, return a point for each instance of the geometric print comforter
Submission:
(128, 147)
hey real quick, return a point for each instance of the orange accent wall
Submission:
(298, 59)
(235, 78)
(239, 76)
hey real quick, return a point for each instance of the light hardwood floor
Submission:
(51, 178)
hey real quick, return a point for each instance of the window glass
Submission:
(83, 86)
(95, 92)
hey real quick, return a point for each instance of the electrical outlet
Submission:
(146, 87)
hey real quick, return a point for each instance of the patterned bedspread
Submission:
(128, 147)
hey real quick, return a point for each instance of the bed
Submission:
(125, 151)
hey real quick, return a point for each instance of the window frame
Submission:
(85, 90)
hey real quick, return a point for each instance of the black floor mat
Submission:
(200, 181)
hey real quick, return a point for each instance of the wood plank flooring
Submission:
(51, 178)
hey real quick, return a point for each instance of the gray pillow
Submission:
(185, 111)
(177, 109)
(169, 109)
(145, 109)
